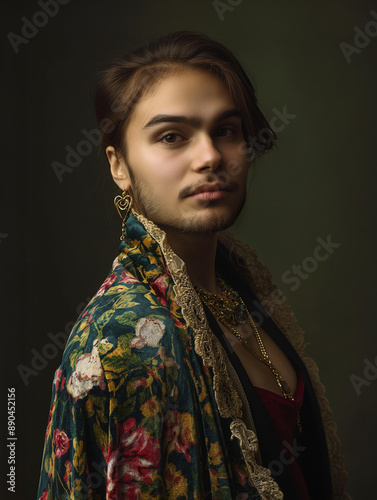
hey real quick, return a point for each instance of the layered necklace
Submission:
(229, 309)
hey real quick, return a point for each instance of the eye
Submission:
(225, 132)
(171, 138)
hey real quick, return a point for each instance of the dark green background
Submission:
(320, 181)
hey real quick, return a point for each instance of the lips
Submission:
(210, 192)
(207, 188)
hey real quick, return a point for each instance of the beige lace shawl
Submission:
(230, 397)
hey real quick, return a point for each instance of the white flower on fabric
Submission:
(149, 331)
(115, 264)
(88, 374)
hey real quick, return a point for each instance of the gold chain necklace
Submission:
(230, 310)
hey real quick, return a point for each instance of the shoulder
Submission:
(121, 327)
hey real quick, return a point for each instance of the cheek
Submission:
(162, 169)
(237, 169)
(236, 160)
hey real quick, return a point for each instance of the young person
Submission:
(186, 376)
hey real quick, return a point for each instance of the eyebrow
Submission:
(193, 121)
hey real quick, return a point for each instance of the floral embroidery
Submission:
(58, 378)
(88, 374)
(127, 278)
(159, 285)
(179, 431)
(176, 483)
(134, 460)
(151, 407)
(107, 284)
(44, 495)
(61, 443)
(133, 409)
(149, 331)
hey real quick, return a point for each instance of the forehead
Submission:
(189, 92)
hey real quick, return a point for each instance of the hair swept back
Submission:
(124, 82)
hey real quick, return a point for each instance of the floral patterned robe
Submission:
(143, 393)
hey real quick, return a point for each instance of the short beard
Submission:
(198, 224)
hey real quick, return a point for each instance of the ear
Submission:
(118, 169)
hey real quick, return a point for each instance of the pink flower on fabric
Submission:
(127, 277)
(49, 421)
(140, 382)
(58, 378)
(88, 374)
(241, 476)
(68, 470)
(44, 496)
(106, 284)
(179, 431)
(133, 461)
(116, 263)
(149, 331)
(61, 442)
(159, 285)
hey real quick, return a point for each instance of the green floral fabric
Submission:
(133, 413)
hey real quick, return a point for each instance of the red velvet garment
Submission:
(283, 415)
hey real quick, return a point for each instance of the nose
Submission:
(206, 155)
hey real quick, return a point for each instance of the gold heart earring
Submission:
(123, 204)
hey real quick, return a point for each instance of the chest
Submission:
(249, 346)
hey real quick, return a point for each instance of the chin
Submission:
(210, 219)
(206, 223)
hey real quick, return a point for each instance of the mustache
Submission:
(226, 184)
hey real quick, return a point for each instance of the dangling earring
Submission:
(123, 204)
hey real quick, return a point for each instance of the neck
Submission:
(198, 251)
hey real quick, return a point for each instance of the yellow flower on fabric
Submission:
(203, 393)
(217, 468)
(151, 407)
(111, 386)
(79, 456)
(148, 242)
(213, 475)
(179, 431)
(89, 408)
(176, 484)
(77, 485)
(215, 454)
(113, 405)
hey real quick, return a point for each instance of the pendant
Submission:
(285, 389)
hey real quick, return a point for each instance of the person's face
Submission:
(186, 166)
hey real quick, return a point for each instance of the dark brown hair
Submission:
(125, 81)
